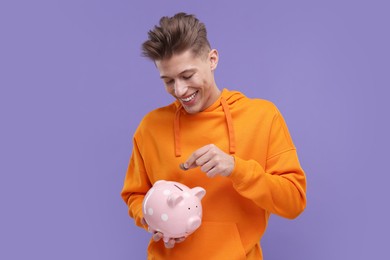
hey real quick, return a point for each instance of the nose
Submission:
(193, 223)
(180, 88)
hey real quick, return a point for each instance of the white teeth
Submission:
(189, 98)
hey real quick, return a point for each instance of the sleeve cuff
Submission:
(244, 171)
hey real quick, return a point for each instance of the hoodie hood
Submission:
(225, 100)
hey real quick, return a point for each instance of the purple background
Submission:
(74, 88)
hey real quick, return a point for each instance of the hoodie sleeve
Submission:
(136, 185)
(279, 186)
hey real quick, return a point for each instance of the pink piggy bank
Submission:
(173, 209)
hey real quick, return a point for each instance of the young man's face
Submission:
(190, 79)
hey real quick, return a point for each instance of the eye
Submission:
(186, 77)
(169, 82)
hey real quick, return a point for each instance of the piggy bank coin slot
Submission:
(178, 187)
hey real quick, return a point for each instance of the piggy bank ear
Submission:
(174, 199)
(159, 182)
(198, 192)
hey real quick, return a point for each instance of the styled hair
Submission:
(175, 35)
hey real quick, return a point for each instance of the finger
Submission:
(179, 239)
(157, 236)
(206, 161)
(170, 243)
(192, 161)
(216, 163)
(212, 173)
(210, 168)
(183, 167)
(210, 162)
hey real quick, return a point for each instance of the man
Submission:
(238, 149)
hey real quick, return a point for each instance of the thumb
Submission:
(157, 236)
(184, 166)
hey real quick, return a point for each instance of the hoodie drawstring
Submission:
(176, 130)
(229, 123)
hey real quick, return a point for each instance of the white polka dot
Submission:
(150, 211)
(164, 217)
(167, 192)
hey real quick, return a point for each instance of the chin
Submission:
(191, 110)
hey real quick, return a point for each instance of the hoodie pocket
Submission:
(213, 240)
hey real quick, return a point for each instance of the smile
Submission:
(188, 99)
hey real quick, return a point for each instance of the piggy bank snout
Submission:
(193, 223)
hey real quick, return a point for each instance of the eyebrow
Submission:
(181, 73)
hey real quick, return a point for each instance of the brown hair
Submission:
(175, 35)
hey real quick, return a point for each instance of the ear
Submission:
(213, 58)
(198, 192)
(174, 199)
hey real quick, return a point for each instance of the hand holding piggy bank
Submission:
(173, 209)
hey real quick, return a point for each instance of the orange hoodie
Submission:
(267, 177)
